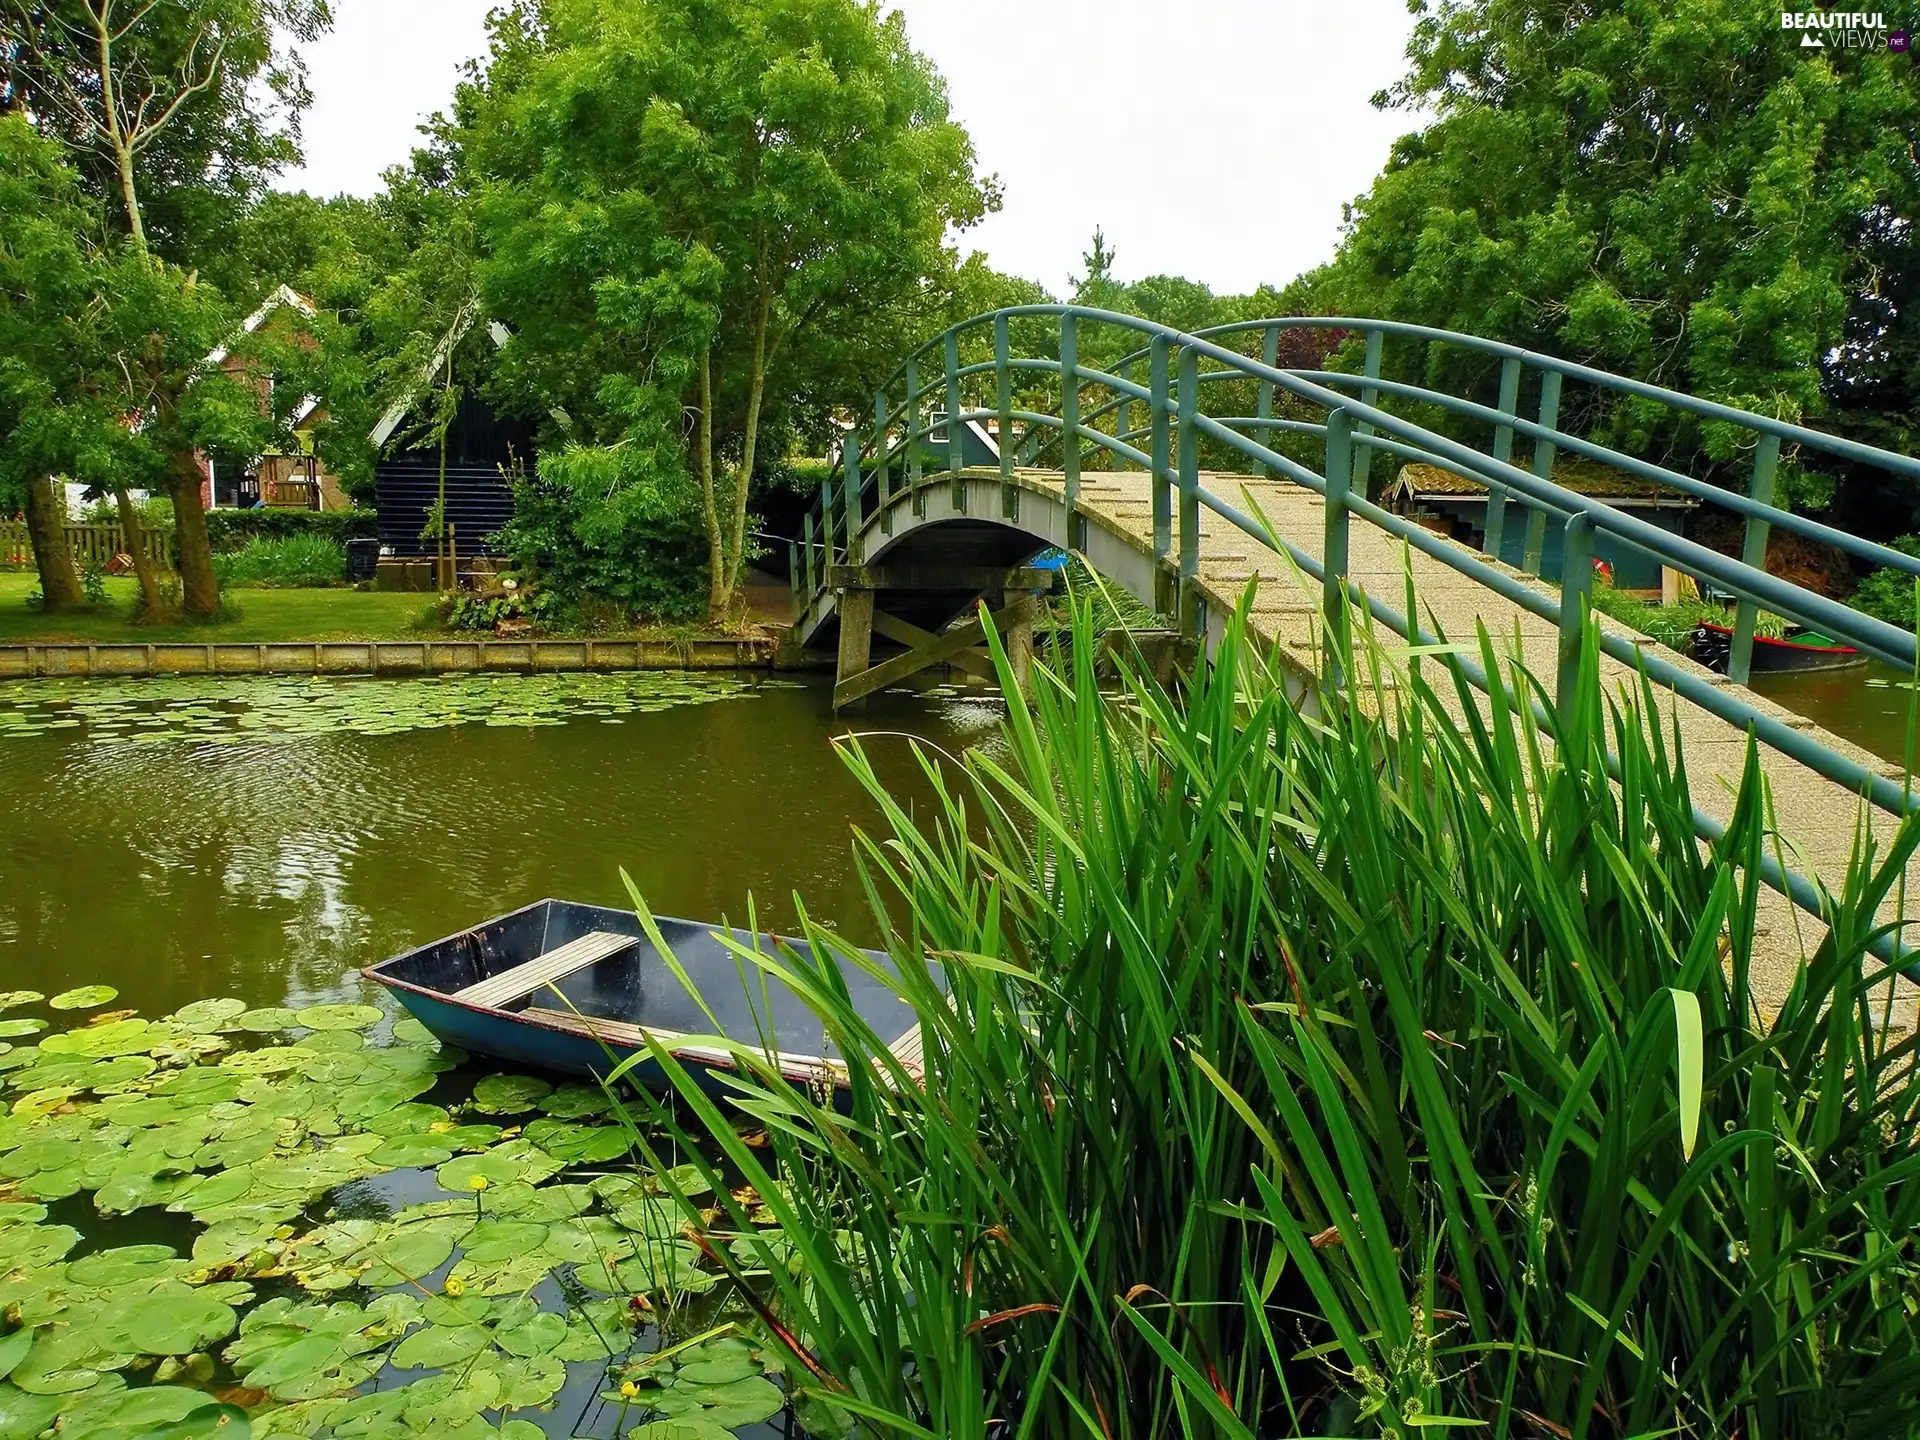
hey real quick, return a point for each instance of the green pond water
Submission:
(225, 1175)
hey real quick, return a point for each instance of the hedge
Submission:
(230, 530)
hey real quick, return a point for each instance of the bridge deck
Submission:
(1816, 818)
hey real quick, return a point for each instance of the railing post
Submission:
(1123, 415)
(956, 446)
(794, 585)
(1543, 453)
(1766, 462)
(1003, 377)
(826, 521)
(1263, 402)
(1157, 481)
(1576, 595)
(1369, 395)
(1333, 554)
(1189, 489)
(810, 560)
(884, 471)
(915, 439)
(1070, 424)
(850, 490)
(1495, 531)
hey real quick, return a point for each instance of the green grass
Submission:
(264, 616)
(1333, 1070)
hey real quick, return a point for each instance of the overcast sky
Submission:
(1216, 141)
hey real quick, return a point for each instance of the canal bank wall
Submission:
(397, 657)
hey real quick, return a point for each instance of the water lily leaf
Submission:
(13, 1212)
(411, 1152)
(338, 1017)
(680, 1428)
(15, 1029)
(721, 1370)
(129, 1265)
(84, 997)
(42, 1102)
(575, 1102)
(514, 1160)
(468, 1137)
(409, 1031)
(333, 1041)
(410, 1253)
(10, 999)
(739, 1402)
(272, 1017)
(170, 1320)
(538, 1335)
(208, 1422)
(509, 1094)
(209, 1015)
(274, 1060)
(414, 1117)
(23, 1416)
(14, 1348)
(135, 1409)
(525, 1381)
(435, 1347)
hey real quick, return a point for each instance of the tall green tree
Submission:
(1680, 193)
(181, 109)
(685, 207)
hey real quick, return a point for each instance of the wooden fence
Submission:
(88, 544)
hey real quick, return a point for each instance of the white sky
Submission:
(1212, 140)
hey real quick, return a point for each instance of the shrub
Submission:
(1888, 594)
(292, 560)
(234, 529)
(1333, 1069)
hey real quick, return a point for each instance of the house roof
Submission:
(286, 295)
(462, 323)
(1583, 477)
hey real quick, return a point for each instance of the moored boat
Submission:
(563, 986)
(1712, 644)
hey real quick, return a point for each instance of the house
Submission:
(483, 449)
(295, 480)
(1454, 505)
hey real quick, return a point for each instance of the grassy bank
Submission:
(1354, 1073)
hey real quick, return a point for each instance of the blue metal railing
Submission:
(931, 384)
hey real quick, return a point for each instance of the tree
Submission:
(165, 101)
(684, 203)
(1682, 194)
(103, 371)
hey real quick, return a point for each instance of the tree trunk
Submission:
(199, 589)
(756, 389)
(46, 521)
(142, 562)
(719, 593)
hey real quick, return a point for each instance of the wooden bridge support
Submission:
(1011, 597)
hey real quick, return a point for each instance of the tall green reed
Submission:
(1360, 1061)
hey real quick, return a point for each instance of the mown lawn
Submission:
(258, 615)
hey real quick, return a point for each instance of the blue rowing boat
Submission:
(578, 988)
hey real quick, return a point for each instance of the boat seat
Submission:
(909, 1049)
(555, 965)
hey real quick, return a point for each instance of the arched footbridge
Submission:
(1182, 467)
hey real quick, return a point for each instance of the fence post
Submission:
(793, 575)
(850, 491)
(1369, 395)
(826, 521)
(914, 438)
(883, 471)
(1543, 453)
(1157, 482)
(1070, 423)
(1003, 378)
(1333, 554)
(813, 572)
(1263, 402)
(1766, 462)
(1495, 531)
(1189, 489)
(1576, 594)
(1123, 415)
(956, 446)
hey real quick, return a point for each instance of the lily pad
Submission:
(272, 1017)
(16, 1029)
(9, 999)
(338, 1017)
(170, 1320)
(509, 1094)
(209, 1015)
(680, 1428)
(84, 997)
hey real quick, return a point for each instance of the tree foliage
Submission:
(1681, 194)
(693, 215)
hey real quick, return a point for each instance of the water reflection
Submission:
(271, 868)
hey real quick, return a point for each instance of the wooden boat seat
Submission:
(542, 970)
(634, 1037)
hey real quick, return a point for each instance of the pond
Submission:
(224, 1174)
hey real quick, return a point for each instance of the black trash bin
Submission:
(363, 557)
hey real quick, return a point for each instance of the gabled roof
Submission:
(1583, 477)
(286, 295)
(462, 323)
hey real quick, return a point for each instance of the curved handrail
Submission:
(1353, 428)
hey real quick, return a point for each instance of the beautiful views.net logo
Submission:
(1844, 30)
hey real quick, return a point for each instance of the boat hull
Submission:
(1712, 644)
